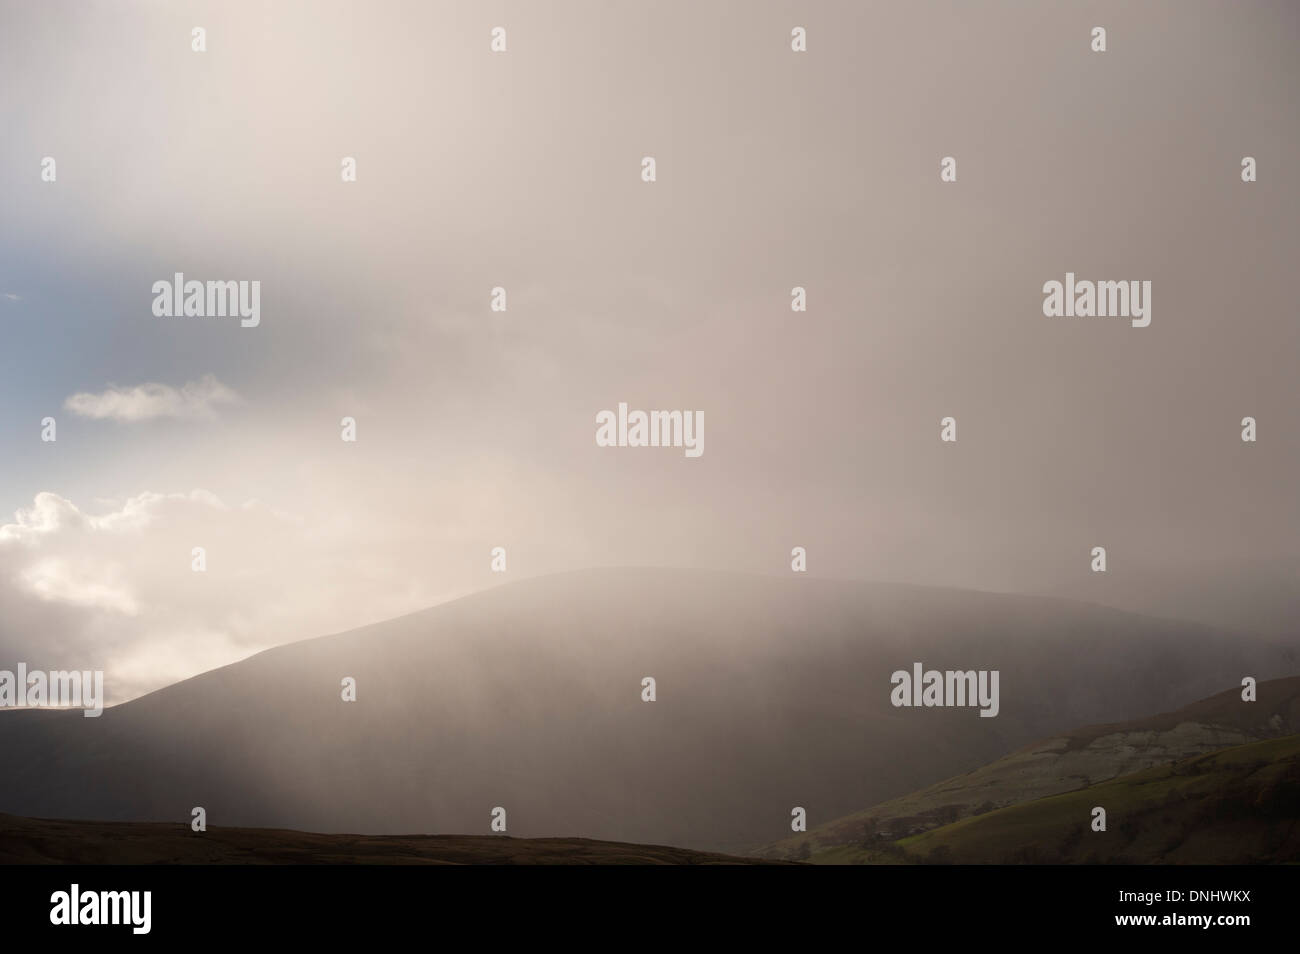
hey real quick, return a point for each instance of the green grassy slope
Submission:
(1069, 762)
(1236, 806)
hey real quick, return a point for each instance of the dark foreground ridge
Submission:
(46, 841)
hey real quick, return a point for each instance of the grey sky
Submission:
(774, 169)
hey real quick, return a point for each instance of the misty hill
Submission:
(45, 841)
(1236, 806)
(1063, 763)
(773, 692)
(1258, 596)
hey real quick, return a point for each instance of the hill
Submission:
(1063, 763)
(773, 692)
(1237, 806)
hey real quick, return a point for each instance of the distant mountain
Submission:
(773, 692)
(1064, 763)
(1255, 596)
(42, 841)
(1235, 806)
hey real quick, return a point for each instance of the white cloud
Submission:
(115, 590)
(50, 514)
(47, 515)
(196, 400)
(58, 580)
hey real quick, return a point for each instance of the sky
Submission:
(522, 169)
